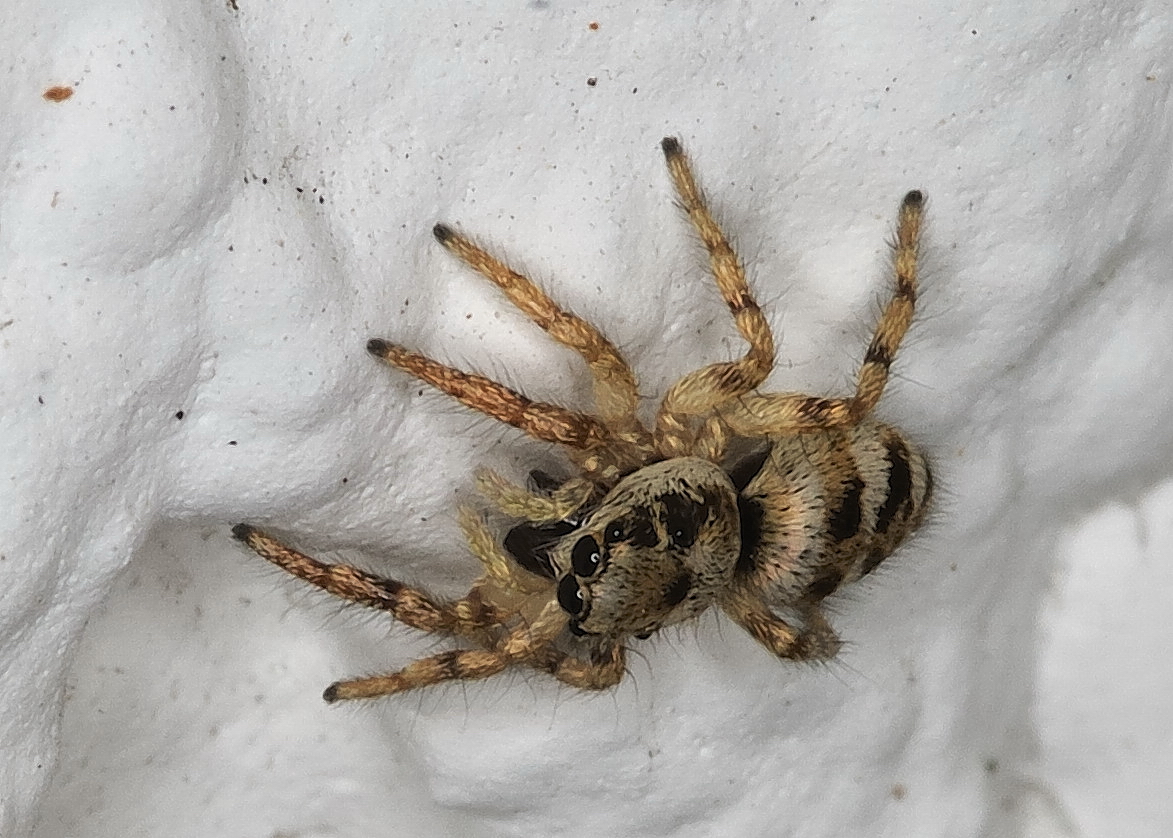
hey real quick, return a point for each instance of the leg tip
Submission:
(671, 146)
(242, 532)
(331, 693)
(377, 347)
(443, 234)
(914, 199)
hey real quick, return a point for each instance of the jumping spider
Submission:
(749, 501)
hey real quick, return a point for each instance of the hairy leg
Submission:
(532, 647)
(500, 569)
(712, 441)
(702, 390)
(540, 420)
(461, 664)
(603, 670)
(469, 617)
(815, 641)
(757, 414)
(897, 315)
(614, 382)
(518, 502)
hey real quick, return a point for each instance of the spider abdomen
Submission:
(829, 507)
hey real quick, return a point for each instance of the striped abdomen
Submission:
(827, 508)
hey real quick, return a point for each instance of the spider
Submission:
(761, 504)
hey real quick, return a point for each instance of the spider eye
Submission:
(570, 596)
(613, 533)
(585, 558)
(681, 519)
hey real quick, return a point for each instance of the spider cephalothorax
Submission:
(659, 548)
(762, 504)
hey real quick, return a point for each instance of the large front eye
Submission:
(570, 596)
(585, 558)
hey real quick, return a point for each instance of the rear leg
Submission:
(897, 315)
(758, 414)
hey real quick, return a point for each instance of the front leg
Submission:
(470, 617)
(535, 646)
(461, 664)
(604, 669)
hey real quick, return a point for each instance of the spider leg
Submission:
(702, 390)
(535, 646)
(518, 502)
(762, 414)
(499, 567)
(532, 644)
(756, 414)
(614, 383)
(470, 617)
(460, 664)
(897, 315)
(712, 441)
(540, 420)
(605, 669)
(815, 641)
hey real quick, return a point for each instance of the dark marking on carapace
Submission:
(678, 589)
(843, 521)
(682, 519)
(899, 486)
(751, 513)
(638, 529)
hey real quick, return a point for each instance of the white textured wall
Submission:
(233, 202)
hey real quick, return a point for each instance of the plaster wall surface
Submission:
(196, 245)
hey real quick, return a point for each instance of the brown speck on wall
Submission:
(58, 93)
